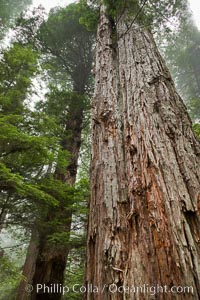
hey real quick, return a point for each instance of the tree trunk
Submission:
(51, 260)
(144, 224)
(197, 78)
(29, 267)
(3, 214)
(4, 210)
(49, 270)
(2, 218)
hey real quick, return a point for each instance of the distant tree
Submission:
(182, 52)
(19, 139)
(29, 144)
(66, 48)
(9, 11)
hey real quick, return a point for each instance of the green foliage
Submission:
(196, 128)
(17, 66)
(66, 45)
(194, 108)
(163, 14)
(155, 14)
(118, 7)
(69, 45)
(89, 15)
(58, 189)
(13, 140)
(11, 8)
(9, 277)
(14, 183)
(27, 26)
(30, 141)
(33, 152)
(70, 199)
(182, 53)
(77, 240)
(81, 197)
(75, 273)
(23, 159)
(69, 102)
(9, 11)
(57, 218)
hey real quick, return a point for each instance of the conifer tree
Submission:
(144, 225)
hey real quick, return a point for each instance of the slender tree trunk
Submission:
(29, 267)
(4, 210)
(2, 218)
(197, 78)
(145, 184)
(3, 214)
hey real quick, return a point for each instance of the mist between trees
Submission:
(99, 149)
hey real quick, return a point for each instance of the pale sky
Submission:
(195, 6)
(48, 4)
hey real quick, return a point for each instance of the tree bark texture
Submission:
(144, 225)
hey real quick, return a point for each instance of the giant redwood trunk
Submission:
(144, 226)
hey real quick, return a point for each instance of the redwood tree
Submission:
(67, 47)
(145, 183)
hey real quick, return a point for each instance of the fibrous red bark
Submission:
(144, 225)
